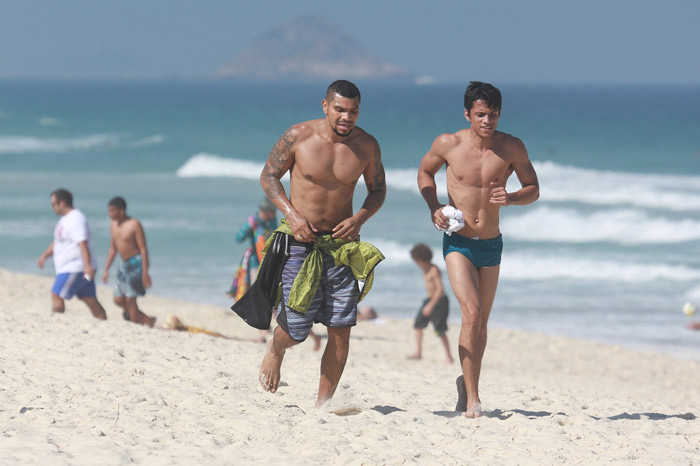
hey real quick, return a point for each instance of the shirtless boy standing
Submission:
(325, 158)
(479, 161)
(129, 240)
(435, 307)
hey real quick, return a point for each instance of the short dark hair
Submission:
(64, 195)
(476, 90)
(422, 252)
(117, 202)
(344, 89)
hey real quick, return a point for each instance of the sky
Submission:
(509, 41)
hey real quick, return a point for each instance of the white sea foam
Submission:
(24, 144)
(528, 266)
(49, 121)
(211, 165)
(398, 254)
(147, 141)
(558, 183)
(26, 228)
(621, 226)
(523, 266)
(562, 183)
(694, 294)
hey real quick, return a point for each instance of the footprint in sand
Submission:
(347, 411)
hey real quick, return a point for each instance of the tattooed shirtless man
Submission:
(325, 159)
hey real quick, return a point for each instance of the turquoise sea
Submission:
(610, 252)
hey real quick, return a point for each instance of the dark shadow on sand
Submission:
(503, 415)
(652, 416)
(447, 414)
(500, 414)
(387, 409)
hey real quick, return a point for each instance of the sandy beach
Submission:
(75, 390)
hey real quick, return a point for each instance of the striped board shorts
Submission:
(72, 284)
(333, 305)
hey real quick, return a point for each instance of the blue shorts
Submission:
(130, 278)
(335, 302)
(481, 252)
(68, 285)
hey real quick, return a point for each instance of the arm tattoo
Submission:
(281, 153)
(277, 165)
(376, 186)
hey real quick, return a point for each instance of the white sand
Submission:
(74, 390)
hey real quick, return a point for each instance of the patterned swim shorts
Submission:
(129, 278)
(333, 305)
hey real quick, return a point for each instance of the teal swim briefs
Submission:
(481, 252)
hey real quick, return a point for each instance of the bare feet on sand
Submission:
(270, 369)
(414, 357)
(472, 411)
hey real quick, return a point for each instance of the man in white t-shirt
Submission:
(73, 257)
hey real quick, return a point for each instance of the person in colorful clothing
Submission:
(255, 231)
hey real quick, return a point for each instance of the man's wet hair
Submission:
(476, 90)
(422, 252)
(117, 202)
(344, 89)
(64, 195)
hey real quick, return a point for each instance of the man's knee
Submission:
(339, 337)
(119, 301)
(471, 310)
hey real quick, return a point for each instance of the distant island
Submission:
(309, 48)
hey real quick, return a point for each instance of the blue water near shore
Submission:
(610, 252)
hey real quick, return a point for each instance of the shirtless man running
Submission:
(479, 161)
(325, 158)
(129, 240)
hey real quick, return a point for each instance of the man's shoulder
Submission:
(303, 130)
(508, 139)
(363, 137)
(510, 144)
(129, 224)
(74, 216)
(133, 223)
(447, 141)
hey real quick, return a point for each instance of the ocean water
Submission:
(610, 252)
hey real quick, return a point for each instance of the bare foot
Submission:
(473, 411)
(450, 360)
(414, 357)
(461, 395)
(270, 369)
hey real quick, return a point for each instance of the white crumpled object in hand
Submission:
(455, 217)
